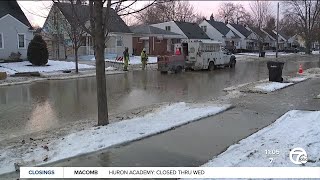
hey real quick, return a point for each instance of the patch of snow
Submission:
(271, 86)
(111, 68)
(293, 129)
(318, 97)
(53, 66)
(135, 60)
(97, 138)
(8, 71)
(312, 71)
(315, 52)
(232, 88)
(112, 58)
(267, 54)
(297, 79)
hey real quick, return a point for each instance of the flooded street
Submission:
(44, 105)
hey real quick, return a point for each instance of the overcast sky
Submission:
(36, 11)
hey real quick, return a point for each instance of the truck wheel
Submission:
(211, 66)
(178, 69)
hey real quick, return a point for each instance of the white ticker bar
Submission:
(170, 172)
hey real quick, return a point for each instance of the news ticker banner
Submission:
(170, 172)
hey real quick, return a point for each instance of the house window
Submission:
(21, 41)
(119, 41)
(204, 28)
(1, 41)
(168, 28)
(140, 40)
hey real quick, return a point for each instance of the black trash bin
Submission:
(275, 71)
(262, 54)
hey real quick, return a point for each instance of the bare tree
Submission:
(288, 26)
(99, 20)
(226, 11)
(168, 11)
(76, 34)
(305, 14)
(260, 10)
(234, 13)
(270, 23)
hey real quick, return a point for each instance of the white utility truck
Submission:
(206, 54)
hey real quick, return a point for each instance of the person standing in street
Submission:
(126, 59)
(144, 58)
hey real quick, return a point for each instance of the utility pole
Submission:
(277, 48)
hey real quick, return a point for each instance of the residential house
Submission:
(119, 34)
(262, 38)
(248, 40)
(218, 31)
(272, 37)
(15, 30)
(156, 41)
(189, 31)
(287, 43)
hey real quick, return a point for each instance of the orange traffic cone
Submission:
(300, 69)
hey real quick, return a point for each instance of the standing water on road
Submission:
(45, 105)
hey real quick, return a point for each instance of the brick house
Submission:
(156, 41)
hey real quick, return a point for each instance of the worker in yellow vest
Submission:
(126, 59)
(144, 58)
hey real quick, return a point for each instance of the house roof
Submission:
(146, 29)
(12, 7)
(258, 32)
(191, 30)
(271, 33)
(220, 26)
(245, 32)
(115, 24)
(282, 34)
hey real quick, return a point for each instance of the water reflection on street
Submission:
(44, 105)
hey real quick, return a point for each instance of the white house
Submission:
(273, 39)
(119, 34)
(262, 37)
(15, 30)
(248, 40)
(189, 31)
(218, 31)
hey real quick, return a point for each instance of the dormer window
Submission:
(204, 28)
(168, 28)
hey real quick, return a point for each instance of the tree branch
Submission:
(136, 11)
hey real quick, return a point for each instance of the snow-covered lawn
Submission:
(26, 66)
(293, 129)
(97, 138)
(271, 86)
(133, 59)
(267, 54)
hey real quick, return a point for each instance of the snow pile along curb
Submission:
(270, 87)
(94, 139)
(294, 129)
(266, 86)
